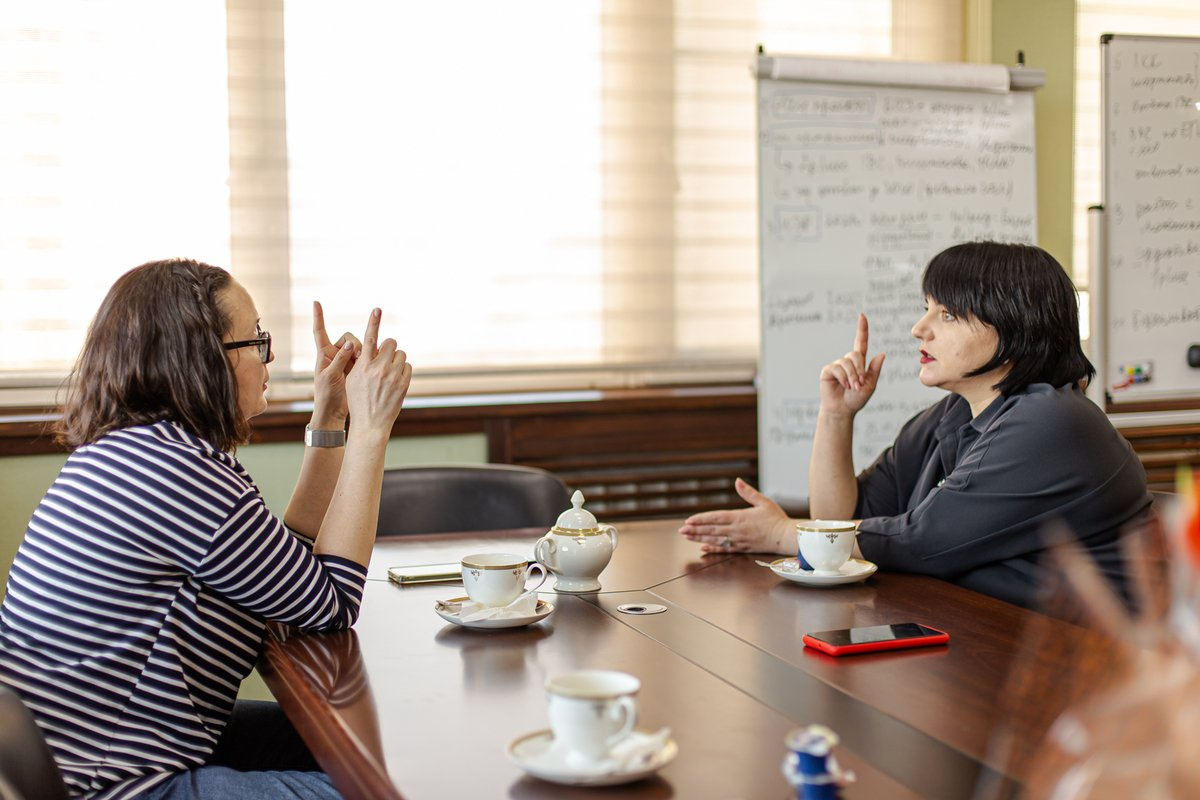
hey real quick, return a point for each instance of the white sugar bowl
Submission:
(577, 549)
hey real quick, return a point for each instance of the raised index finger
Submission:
(319, 335)
(860, 336)
(371, 337)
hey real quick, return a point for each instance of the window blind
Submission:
(538, 194)
(113, 118)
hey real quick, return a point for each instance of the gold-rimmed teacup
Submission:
(825, 545)
(496, 579)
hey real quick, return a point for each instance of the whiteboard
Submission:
(860, 184)
(1150, 282)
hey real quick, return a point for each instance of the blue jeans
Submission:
(260, 755)
(223, 783)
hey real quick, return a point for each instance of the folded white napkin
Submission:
(524, 606)
(636, 750)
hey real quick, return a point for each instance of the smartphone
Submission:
(848, 641)
(425, 573)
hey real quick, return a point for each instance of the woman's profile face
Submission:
(249, 372)
(951, 347)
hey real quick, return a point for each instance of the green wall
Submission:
(23, 481)
(1045, 31)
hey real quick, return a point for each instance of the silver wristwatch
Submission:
(314, 438)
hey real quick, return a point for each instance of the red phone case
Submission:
(938, 637)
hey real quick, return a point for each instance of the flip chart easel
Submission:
(866, 170)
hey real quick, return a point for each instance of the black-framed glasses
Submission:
(262, 342)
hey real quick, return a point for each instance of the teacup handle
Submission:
(544, 551)
(625, 707)
(529, 570)
(612, 534)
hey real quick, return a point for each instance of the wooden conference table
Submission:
(408, 705)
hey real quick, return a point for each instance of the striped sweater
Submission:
(137, 602)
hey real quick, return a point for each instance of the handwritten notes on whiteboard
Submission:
(1152, 210)
(859, 187)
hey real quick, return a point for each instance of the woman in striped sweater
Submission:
(137, 601)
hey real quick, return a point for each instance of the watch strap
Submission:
(318, 438)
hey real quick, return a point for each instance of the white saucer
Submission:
(534, 753)
(541, 611)
(853, 571)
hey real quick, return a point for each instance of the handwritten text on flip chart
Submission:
(860, 187)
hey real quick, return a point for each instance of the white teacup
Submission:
(825, 544)
(496, 579)
(590, 712)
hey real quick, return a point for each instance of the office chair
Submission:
(469, 497)
(27, 769)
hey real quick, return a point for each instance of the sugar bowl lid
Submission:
(576, 518)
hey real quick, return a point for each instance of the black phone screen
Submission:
(875, 633)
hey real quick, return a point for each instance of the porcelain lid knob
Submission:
(577, 518)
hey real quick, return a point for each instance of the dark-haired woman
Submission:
(967, 489)
(137, 601)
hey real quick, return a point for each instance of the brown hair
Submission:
(152, 353)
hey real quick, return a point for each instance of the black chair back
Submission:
(469, 497)
(27, 769)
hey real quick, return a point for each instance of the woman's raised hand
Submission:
(848, 383)
(329, 383)
(378, 381)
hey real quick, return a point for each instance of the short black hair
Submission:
(1027, 296)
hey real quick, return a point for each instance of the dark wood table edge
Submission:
(355, 772)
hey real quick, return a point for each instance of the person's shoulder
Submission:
(165, 435)
(169, 448)
(1058, 412)
(1042, 398)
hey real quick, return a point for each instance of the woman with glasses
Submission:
(138, 599)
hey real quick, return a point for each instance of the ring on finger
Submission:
(727, 543)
